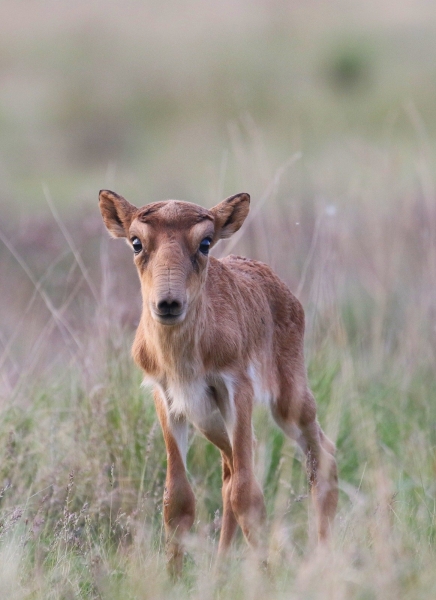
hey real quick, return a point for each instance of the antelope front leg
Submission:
(178, 500)
(245, 494)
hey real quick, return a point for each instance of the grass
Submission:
(83, 460)
(328, 119)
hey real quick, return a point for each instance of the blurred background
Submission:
(314, 108)
(325, 112)
(153, 96)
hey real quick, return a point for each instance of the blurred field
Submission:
(325, 112)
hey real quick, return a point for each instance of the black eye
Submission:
(137, 246)
(205, 245)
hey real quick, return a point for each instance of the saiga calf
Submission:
(214, 337)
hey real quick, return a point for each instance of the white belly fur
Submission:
(192, 401)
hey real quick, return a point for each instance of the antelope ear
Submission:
(117, 213)
(230, 214)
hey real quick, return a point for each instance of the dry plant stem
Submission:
(70, 243)
(57, 316)
(216, 335)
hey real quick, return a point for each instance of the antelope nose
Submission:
(169, 307)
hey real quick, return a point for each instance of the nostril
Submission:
(169, 308)
(163, 307)
(175, 306)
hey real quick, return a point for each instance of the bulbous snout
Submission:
(168, 310)
(168, 298)
(169, 307)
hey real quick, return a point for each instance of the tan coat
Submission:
(214, 337)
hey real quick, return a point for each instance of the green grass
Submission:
(81, 509)
(83, 466)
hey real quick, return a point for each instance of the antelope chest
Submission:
(207, 401)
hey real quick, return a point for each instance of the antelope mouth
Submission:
(168, 319)
(168, 313)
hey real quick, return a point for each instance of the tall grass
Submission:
(82, 456)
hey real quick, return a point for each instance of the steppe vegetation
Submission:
(326, 115)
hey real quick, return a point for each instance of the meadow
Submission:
(325, 114)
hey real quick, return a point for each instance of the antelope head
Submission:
(171, 242)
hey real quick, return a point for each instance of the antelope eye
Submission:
(137, 246)
(204, 246)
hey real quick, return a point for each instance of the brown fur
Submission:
(236, 333)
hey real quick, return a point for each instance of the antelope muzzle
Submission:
(168, 300)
